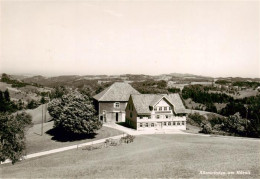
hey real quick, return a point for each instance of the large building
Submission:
(156, 111)
(111, 103)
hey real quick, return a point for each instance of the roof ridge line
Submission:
(106, 91)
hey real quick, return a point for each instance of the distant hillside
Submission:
(93, 82)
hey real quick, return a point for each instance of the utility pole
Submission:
(246, 118)
(42, 122)
(45, 110)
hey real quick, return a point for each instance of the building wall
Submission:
(110, 111)
(171, 123)
(162, 104)
(131, 114)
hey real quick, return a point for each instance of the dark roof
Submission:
(175, 99)
(143, 102)
(116, 92)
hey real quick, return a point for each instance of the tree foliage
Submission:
(174, 90)
(15, 83)
(200, 94)
(74, 113)
(6, 105)
(151, 87)
(12, 135)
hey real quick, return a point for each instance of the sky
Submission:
(210, 38)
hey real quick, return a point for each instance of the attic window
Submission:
(117, 105)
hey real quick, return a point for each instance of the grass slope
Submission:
(37, 143)
(152, 156)
(37, 114)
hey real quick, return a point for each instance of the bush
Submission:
(196, 118)
(206, 128)
(127, 139)
(112, 142)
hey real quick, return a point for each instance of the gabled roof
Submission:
(175, 99)
(116, 92)
(143, 102)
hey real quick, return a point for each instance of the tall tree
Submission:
(12, 135)
(7, 95)
(74, 113)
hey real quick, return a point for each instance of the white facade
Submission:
(161, 116)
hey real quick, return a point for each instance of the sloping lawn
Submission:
(37, 143)
(151, 156)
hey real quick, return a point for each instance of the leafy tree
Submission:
(12, 135)
(6, 105)
(174, 90)
(32, 104)
(7, 95)
(42, 100)
(74, 113)
(58, 92)
(211, 108)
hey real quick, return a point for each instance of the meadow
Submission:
(151, 156)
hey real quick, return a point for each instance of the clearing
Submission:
(151, 156)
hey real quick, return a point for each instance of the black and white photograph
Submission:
(129, 89)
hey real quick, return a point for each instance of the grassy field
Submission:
(151, 156)
(37, 114)
(37, 143)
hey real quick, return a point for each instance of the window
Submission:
(170, 108)
(157, 116)
(160, 108)
(149, 117)
(169, 123)
(141, 117)
(166, 116)
(155, 108)
(182, 122)
(152, 124)
(117, 105)
(146, 124)
(165, 123)
(131, 115)
(174, 123)
(165, 108)
(178, 123)
(141, 124)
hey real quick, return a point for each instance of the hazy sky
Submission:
(213, 38)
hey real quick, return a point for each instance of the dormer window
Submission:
(117, 105)
(165, 108)
(160, 108)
